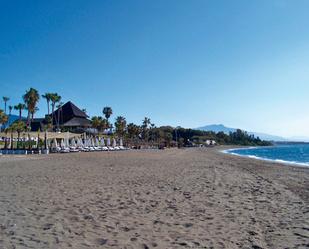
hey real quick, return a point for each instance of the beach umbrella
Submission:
(114, 142)
(55, 145)
(86, 142)
(65, 143)
(97, 144)
(108, 141)
(102, 142)
(81, 142)
(62, 144)
(9, 142)
(73, 143)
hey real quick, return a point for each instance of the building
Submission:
(66, 118)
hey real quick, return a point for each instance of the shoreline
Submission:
(277, 161)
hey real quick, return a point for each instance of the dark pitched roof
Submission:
(78, 122)
(70, 109)
(67, 112)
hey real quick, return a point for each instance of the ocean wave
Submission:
(236, 149)
(232, 152)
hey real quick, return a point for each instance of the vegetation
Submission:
(18, 127)
(120, 126)
(31, 99)
(148, 133)
(20, 107)
(54, 98)
(107, 112)
(3, 118)
(99, 123)
(5, 100)
(134, 134)
(10, 110)
(48, 97)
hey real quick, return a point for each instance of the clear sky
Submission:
(190, 63)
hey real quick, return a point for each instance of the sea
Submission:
(296, 154)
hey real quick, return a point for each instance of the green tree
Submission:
(120, 125)
(48, 97)
(104, 124)
(133, 130)
(18, 126)
(54, 98)
(3, 118)
(59, 107)
(99, 123)
(31, 99)
(10, 110)
(36, 109)
(96, 122)
(145, 128)
(168, 136)
(5, 100)
(20, 107)
(107, 112)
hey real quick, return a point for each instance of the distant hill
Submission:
(220, 127)
(216, 128)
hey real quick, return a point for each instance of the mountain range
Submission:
(220, 127)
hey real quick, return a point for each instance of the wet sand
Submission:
(179, 198)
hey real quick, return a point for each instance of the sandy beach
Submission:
(177, 198)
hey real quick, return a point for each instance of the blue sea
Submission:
(297, 154)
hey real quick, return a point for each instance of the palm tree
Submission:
(59, 106)
(19, 127)
(133, 131)
(20, 107)
(152, 131)
(96, 122)
(145, 125)
(10, 109)
(146, 122)
(107, 111)
(3, 118)
(5, 100)
(10, 113)
(36, 109)
(121, 125)
(104, 124)
(31, 99)
(54, 98)
(47, 96)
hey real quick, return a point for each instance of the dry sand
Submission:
(191, 198)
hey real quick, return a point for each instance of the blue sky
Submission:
(190, 63)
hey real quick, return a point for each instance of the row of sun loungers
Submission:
(86, 145)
